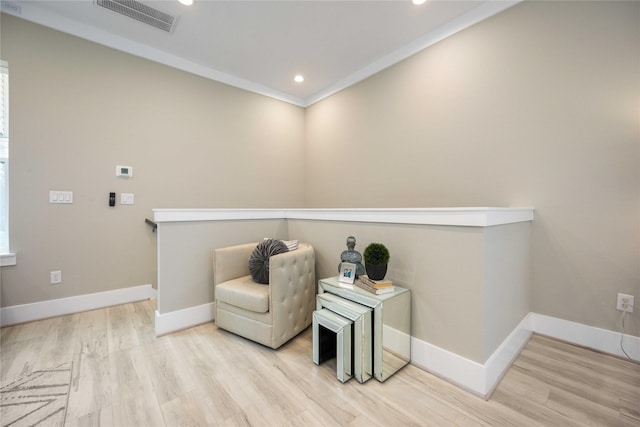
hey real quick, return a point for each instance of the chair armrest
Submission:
(292, 283)
(295, 266)
(231, 262)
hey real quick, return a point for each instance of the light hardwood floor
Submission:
(124, 376)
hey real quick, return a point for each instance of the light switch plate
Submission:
(127, 198)
(61, 197)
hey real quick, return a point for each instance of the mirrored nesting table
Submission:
(381, 348)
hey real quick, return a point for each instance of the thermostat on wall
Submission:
(124, 171)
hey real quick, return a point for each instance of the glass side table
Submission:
(360, 316)
(391, 323)
(332, 338)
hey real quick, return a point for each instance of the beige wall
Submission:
(78, 109)
(506, 282)
(469, 285)
(185, 274)
(537, 106)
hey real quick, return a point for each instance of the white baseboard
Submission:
(587, 336)
(59, 307)
(480, 379)
(183, 319)
(501, 359)
(448, 366)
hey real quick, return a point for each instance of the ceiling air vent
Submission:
(140, 12)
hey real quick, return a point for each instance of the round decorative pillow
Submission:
(259, 259)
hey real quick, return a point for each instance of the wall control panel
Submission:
(125, 171)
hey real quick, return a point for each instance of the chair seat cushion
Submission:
(244, 293)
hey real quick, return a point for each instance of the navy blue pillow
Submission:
(259, 259)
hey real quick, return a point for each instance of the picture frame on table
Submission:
(347, 273)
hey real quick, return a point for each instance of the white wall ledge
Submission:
(464, 216)
(7, 259)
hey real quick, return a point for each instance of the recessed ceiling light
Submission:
(298, 78)
(418, 2)
(186, 2)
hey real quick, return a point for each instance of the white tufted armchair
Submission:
(268, 314)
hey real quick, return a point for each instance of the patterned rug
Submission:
(39, 399)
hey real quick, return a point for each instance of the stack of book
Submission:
(374, 286)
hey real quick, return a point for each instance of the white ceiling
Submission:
(261, 45)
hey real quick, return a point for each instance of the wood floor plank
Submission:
(537, 412)
(121, 331)
(94, 320)
(170, 376)
(25, 331)
(580, 359)
(211, 377)
(102, 417)
(423, 409)
(531, 389)
(477, 409)
(630, 409)
(133, 400)
(589, 384)
(599, 359)
(188, 410)
(59, 343)
(585, 411)
(124, 376)
(142, 318)
(306, 418)
(90, 389)
(236, 421)
(17, 359)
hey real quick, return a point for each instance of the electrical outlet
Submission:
(625, 303)
(56, 277)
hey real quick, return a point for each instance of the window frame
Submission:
(6, 257)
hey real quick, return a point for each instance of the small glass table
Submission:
(391, 323)
(332, 338)
(360, 317)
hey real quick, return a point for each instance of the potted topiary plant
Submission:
(376, 258)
